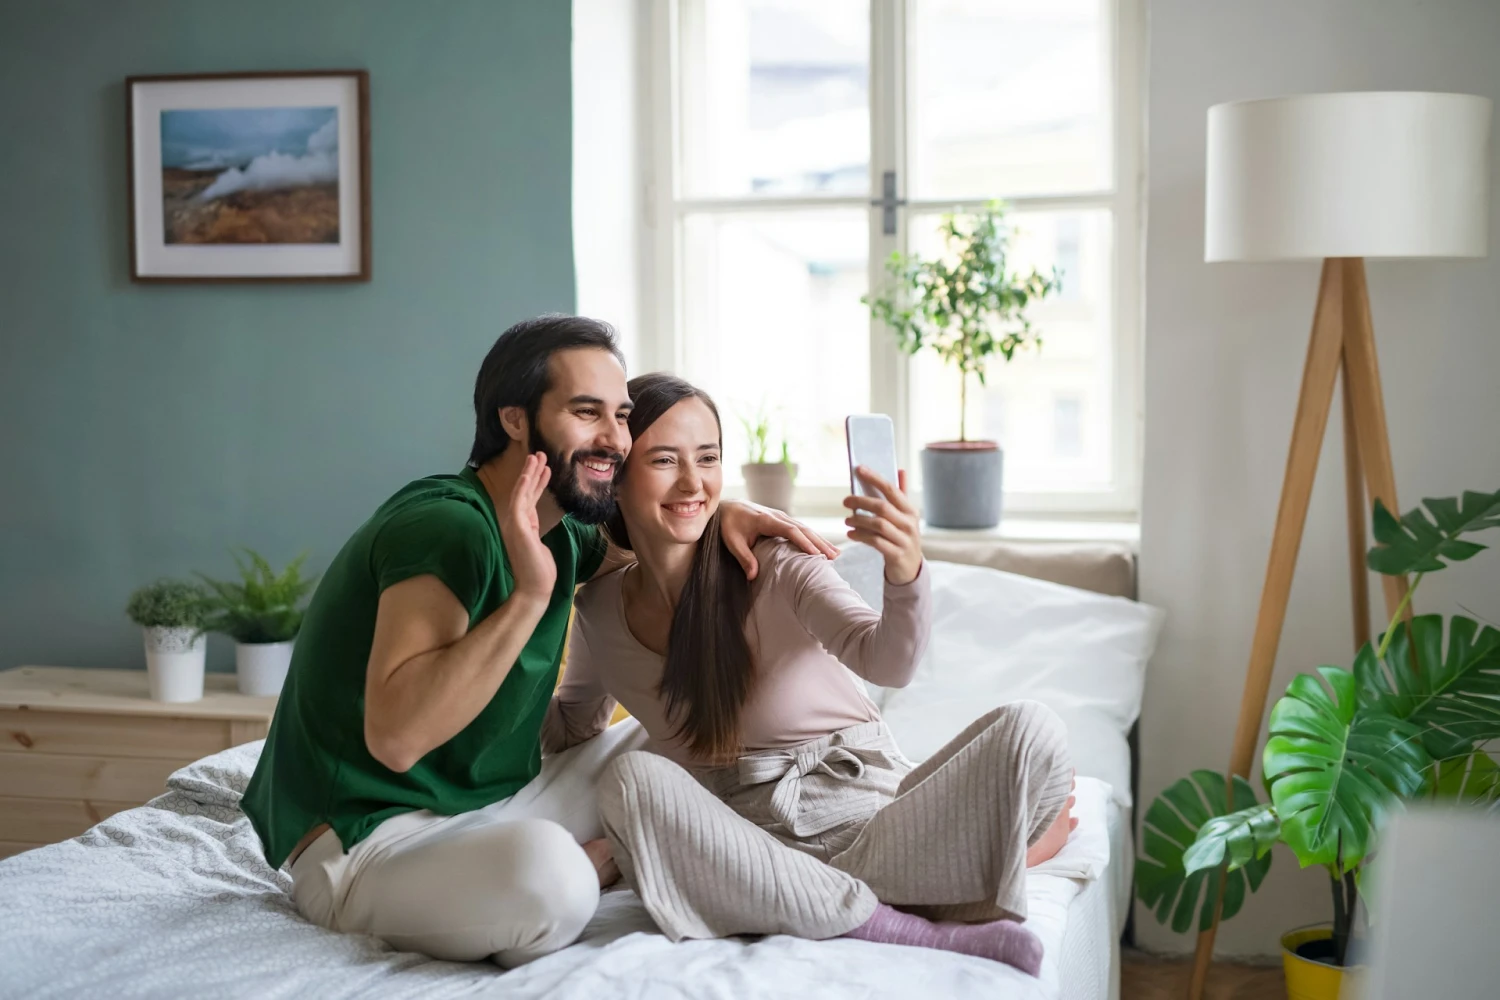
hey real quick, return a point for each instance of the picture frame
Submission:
(249, 177)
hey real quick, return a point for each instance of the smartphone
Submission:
(872, 443)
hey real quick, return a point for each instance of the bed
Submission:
(174, 899)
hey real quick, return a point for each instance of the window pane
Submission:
(1011, 97)
(773, 319)
(1067, 430)
(1049, 409)
(775, 97)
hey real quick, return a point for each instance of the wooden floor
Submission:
(1148, 978)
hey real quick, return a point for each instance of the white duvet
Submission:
(174, 899)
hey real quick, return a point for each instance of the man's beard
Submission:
(586, 503)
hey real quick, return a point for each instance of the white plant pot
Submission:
(261, 666)
(174, 663)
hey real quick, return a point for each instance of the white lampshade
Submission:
(1348, 175)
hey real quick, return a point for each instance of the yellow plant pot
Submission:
(1309, 980)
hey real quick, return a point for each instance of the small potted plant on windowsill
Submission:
(172, 615)
(1416, 718)
(768, 482)
(261, 613)
(966, 306)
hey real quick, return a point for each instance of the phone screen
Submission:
(872, 443)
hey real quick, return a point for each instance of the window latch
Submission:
(888, 202)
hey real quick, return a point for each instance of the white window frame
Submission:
(660, 345)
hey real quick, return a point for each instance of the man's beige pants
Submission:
(508, 882)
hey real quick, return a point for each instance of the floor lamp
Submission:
(1337, 177)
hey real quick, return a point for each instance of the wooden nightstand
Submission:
(79, 745)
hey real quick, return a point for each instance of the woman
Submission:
(773, 799)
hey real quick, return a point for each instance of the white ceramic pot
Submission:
(261, 666)
(174, 663)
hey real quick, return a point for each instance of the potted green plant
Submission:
(768, 481)
(172, 615)
(1412, 719)
(966, 305)
(262, 613)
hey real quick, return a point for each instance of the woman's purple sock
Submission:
(1000, 940)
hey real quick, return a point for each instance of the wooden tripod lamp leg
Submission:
(1354, 489)
(1362, 383)
(1324, 354)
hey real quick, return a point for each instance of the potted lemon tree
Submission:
(1412, 719)
(172, 615)
(966, 305)
(262, 613)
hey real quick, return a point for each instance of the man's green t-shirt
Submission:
(315, 767)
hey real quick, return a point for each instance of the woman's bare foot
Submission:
(1055, 836)
(603, 857)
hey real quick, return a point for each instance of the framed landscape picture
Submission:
(250, 176)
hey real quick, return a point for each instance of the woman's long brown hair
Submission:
(708, 670)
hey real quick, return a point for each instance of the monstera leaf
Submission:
(1473, 779)
(1420, 541)
(1236, 839)
(1179, 819)
(1454, 699)
(1334, 769)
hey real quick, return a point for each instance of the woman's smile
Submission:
(684, 508)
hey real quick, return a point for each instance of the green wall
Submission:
(143, 429)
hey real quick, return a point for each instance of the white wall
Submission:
(608, 119)
(1224, 350)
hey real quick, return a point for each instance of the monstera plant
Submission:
(1412, 719)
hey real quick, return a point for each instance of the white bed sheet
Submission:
(174, 899)
(1089, 959)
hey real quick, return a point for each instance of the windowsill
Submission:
(1016, 528)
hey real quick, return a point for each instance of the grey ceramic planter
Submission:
(961, 484)
(770, 484)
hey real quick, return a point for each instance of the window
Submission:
(779, 127)
(1067, 427)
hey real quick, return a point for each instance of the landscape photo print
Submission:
(250, 177)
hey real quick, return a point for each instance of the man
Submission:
(402, 776)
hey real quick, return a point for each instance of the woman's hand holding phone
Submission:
(889, 523)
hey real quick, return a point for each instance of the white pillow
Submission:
(998, 637)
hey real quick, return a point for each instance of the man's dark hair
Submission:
(516, 373)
